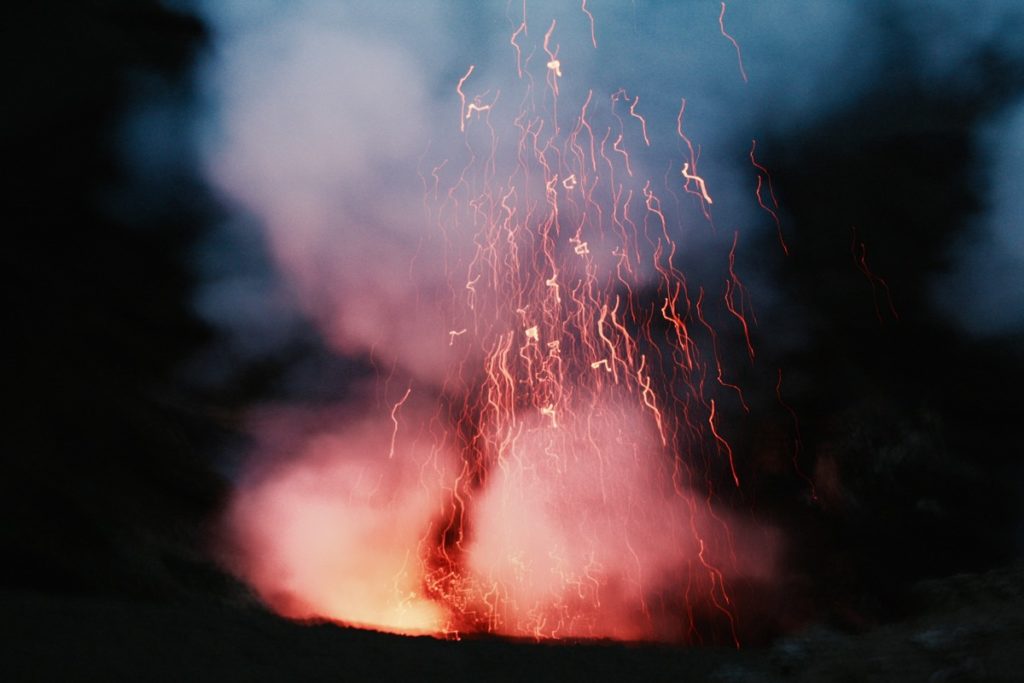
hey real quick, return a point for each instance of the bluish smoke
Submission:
(317, 103)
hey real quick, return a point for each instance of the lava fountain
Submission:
(545, 454)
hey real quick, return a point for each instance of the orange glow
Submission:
(333, 530)
(578, 526)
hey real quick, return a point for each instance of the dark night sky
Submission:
(145, 313)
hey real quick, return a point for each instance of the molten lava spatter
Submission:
(559, 480)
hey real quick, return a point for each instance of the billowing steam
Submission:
(429, 504)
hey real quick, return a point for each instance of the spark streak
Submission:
(593, 38)
(762, 178)
(697, 179)
(394, 419)
(739, 56)
(860, 259)
(462, 99)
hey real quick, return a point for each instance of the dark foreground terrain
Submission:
(968, 628)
